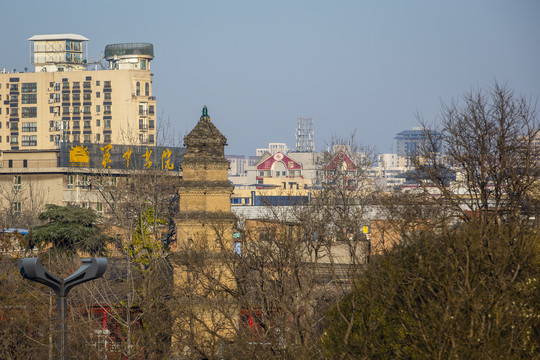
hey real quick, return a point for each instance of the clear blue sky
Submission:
(259, 65)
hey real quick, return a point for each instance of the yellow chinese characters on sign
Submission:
(78, 155)
(146, 156)
(127, 156)
(166, 160)
(106, 156)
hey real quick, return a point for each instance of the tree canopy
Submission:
(70, 229)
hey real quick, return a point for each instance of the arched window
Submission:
(146, 89)
(279, 169)
(138, 91)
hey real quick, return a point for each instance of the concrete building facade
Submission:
(62, 101)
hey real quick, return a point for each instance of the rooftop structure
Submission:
(129, 55)
(58, 52)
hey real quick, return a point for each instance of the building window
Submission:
(98, 94)
(17, 182)
(76, 138)
(151, 109)
(98, 122)
(57, 97)
(138, 89)
(29, 87)
(76, 85)
(54, 126)
(70, 181)
(76, 124)
(151, 138)
(76, 97)
(107, 96)
(86, 139)
(151, 124)
(16, 207)
(106, 109)
(65, 124)
(87, 109)
(106, 84)
(14, 112)
(76, 110)
(29, 140)
(146, 89)
(87, 96)
(29, 112)
(107, 124)
(57, 86)
(107, 138)
(14, 140)
(86, 85)
(142, 109)
(87, 124)
(14, 126)
(10, 163)
(99, 208)
(98, 137)
(25, 163)
(98, 83)
(142, 124)
(65, 110)
(65, 97)
(29, 98)
(98, 108)
(29, 127)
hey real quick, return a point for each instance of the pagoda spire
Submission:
(205, 116)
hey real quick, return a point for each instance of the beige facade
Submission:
(41, 110)
(64, 102)
(29, 180)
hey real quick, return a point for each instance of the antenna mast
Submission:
(304, 135)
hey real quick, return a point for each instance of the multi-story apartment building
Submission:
(409, 142)
(63, 102)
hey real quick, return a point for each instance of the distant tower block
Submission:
(304, 135)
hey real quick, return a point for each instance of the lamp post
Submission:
(90, 269)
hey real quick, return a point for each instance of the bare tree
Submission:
(460, 282)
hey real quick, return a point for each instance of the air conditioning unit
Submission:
(97, 113)
(50, 89)
(50, 101)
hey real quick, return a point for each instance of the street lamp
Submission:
(90, 269)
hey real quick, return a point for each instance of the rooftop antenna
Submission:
(304, 135)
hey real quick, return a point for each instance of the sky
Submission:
(367, 67)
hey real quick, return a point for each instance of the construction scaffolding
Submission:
(304, 135)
